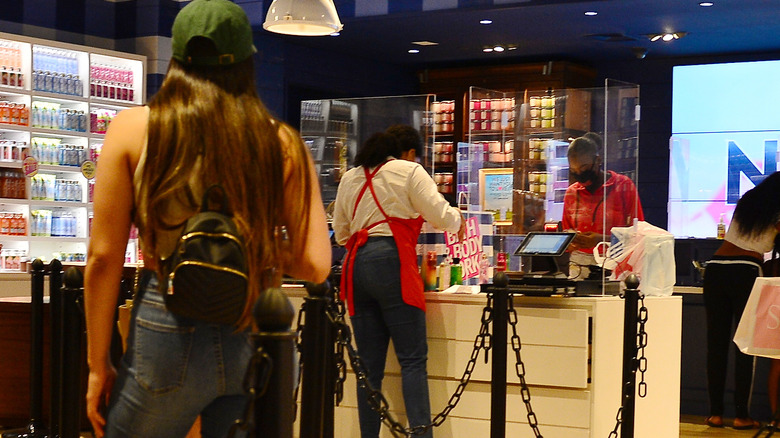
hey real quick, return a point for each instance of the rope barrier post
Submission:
(55, 349)
(275, 407)
(500, 290)
(317, 355)
(35, 428)
(629, 355)
(72, 333)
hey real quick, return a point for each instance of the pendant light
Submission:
(302, 17)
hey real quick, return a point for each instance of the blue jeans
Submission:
(381, 315)
(174, 370)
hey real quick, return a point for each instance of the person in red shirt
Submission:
(597, 200)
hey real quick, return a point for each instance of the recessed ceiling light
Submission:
(487, 49)
(485, 21)
(511, 48)
(425, 43)
(591, 13)
(706, 4)
(666, 37)
(498, 49)
(413, 51)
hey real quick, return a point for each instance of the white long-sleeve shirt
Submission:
(404, 190)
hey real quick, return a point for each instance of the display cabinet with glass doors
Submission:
(531, 158)
(56, 102)
(335, 129)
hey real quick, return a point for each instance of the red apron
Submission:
(405, 233)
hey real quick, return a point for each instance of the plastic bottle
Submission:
(456, 272)
(429, 271)
(721, 228)
(444, 273)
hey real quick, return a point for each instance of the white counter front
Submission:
(572, 351)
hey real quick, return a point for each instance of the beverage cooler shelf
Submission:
(56, 103)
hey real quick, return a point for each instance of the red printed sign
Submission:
(469, 251)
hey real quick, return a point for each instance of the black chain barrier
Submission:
(254, 386)
(520, 370)
(376, 400)
(641, 363)
(336, 312)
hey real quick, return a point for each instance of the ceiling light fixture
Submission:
(591, 13)
(413, 51)
(706, 4)
(486, 22)
(302, 17)
(487, 49)
(666, 37)
(424, 43)
(498, 49)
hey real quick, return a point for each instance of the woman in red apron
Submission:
(379, 211)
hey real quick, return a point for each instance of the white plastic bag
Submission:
(758, 332)
(647, 251)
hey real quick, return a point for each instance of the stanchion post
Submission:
(275, 406)
(72, 330)
(498, 367)
(35, 428)
(630, 319)
(55, 348)
(317, 355)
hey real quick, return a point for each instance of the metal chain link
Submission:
(298, 350)
(251, 380)
(642, 343)
(377, 401)
(341, 364)
(520, 368)
(641, 361)
(618, 422)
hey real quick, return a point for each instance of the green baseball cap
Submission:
(221, 21)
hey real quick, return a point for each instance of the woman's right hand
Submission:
(100, 383)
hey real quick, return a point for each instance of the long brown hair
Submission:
(213, 116)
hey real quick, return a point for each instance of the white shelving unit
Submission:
(68, 93)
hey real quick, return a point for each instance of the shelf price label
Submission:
(30, 167)
(88, 169)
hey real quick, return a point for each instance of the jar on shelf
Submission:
(548, 101)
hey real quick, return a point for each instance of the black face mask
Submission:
(585, 177)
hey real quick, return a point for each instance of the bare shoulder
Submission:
(130, 119)
(127, 131)
(286, 134)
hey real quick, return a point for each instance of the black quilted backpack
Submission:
(206, 276)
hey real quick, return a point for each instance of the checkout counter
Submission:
(572, 351)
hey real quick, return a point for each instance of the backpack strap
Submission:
(222, 197)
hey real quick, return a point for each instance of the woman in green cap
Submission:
(205, 126)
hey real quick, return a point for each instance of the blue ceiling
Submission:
(384, 29)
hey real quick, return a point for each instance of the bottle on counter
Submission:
(429, 271)
(444, 273)
(721, 228)
(456, 272)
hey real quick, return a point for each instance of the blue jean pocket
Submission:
(161, 355)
